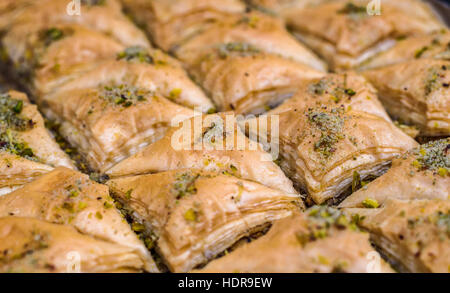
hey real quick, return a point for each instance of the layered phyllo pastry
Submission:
(246, 61)
(67, 197)
(414, 235)
(111, 121)
(194, 215)
(212, 143)
(34, 246)
(105, 16)
(172, 22)
(422, 173)
(416, 93)
(347, 33)
(27, 148)
(333, 127)
(321, 240)
(147, 68)
(429, 46)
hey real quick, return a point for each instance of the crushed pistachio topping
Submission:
(251, 20)
(337, 93)
(434, 156)
(319, 222)
(10, 118)
(331, 125)
(243, 49)
(184, 185)
(51, 35)
(191, 215)
(351, 8)
(420, 52)
(124, 95)
(433, 78)
(136, 54)
(370, 203)
(175, 94)
(93, 2)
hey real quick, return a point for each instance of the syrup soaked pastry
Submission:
(43, 54)
(422, 173)
(431, 46)
(413, 234)
(33, 246)
(110, 122)
(27, 149)
(254, 29)
(213, 143)
(322, 240)
(346, 35)
(331, 128)
(416, 93)
(104, 16)
(195, 215)
(147, 68)
(238, 77)
(67, 197)
(172, 22)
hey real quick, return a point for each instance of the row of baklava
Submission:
(96, 75)
(334, 133)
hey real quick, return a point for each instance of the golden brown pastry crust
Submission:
(291, 247)
(422, 173)
(67, 197)
(172, 22)
(106, 128)
(265, 33)
(429, 46)
(34, 246)
(416, 92)
(106, 17)
(414, 234)
(345, 35)
(333, 127)
(17, 166)
(234, 154)
(196, 214)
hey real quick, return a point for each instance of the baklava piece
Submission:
(109, 122)
(171, 23)
(212, 143)
(194, 215)
(33, 246)
(67, 197)
(422, 173)
(27, 149)
(416, 93)
(346, 35)
(322, 240)
(332, 128)
(414, 235)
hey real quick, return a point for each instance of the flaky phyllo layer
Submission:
(194, 215)
(26, 147)
(344, 33)
(227, 51)
(332, 128)
(36, 246)
(69, 198)
(321, 240)
(413, 234)
(421, 173)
